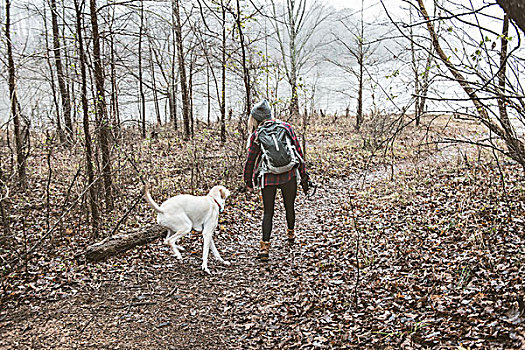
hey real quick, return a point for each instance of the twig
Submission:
(71, 186)
(358, 239)
(49, 141)
(141, 303)
(124, 217)
(52, 228)
(87, 324)
(505, 194)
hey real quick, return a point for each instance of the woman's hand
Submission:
(305, 184)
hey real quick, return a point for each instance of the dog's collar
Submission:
(221, 209)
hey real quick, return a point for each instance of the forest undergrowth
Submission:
(414, 245)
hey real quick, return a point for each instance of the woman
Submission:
(269, 182)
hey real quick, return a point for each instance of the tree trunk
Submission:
(182, 71)
(505, 129)
(62, 85)
(120, 243)
(515, 9)
(172, 106)
(100, 102)
(425, 83)
(190, 89)
(208, 96)
(294, 102)
(172, 98)
(154, 87)
(223, 77)
(359, 116)
(88, 153)
(246, 72)
(142, 99)
(360, 61)
(60, 131)
(15, 111)
(115, 115)
(417, 98)
(6, 237)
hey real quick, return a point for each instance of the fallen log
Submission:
(120, 243)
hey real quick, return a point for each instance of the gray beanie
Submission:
(262, 111)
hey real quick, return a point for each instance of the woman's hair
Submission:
(253, 124)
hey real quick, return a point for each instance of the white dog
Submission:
(182, 213)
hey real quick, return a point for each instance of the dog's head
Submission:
(219, 192)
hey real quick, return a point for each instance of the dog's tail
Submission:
(150, 200)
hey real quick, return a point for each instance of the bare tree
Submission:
(186, 109)
(115, 110)
(245, 70)
(100, 102)
(154, 82)
(223, 73)
(359, 49)
(421, 78)
(88, 153)
(60, 131)
(62, 85)
(500, 124)
(294, 29)
(15, 108)
(142, 97)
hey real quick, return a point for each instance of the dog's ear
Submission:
(224, 192)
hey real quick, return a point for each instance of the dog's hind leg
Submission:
(172, 240)
(167, 240)
(216, 253)
(168, 235)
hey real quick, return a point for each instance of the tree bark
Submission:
(120, 243)
(223, 77)
(515, 9)
(172, 93)
(154, 85)
(182, 71)
(88, 153)
(360, 61)
(208, 96)
(60, 131)
(503, 68)
(100, 102)
(5, 237)
(142, 98)
(15, 111)
(190, 89)
(115, 114)
(246, 72)
(417, 112)
(62, 86)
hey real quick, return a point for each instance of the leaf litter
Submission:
(440, 264)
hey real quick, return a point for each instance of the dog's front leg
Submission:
(216, 253)
(206, 249)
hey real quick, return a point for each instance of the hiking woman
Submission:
(268, 137)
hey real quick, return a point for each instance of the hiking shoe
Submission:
(290, 235)
(265, 251)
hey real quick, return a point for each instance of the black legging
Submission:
(289, 191)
